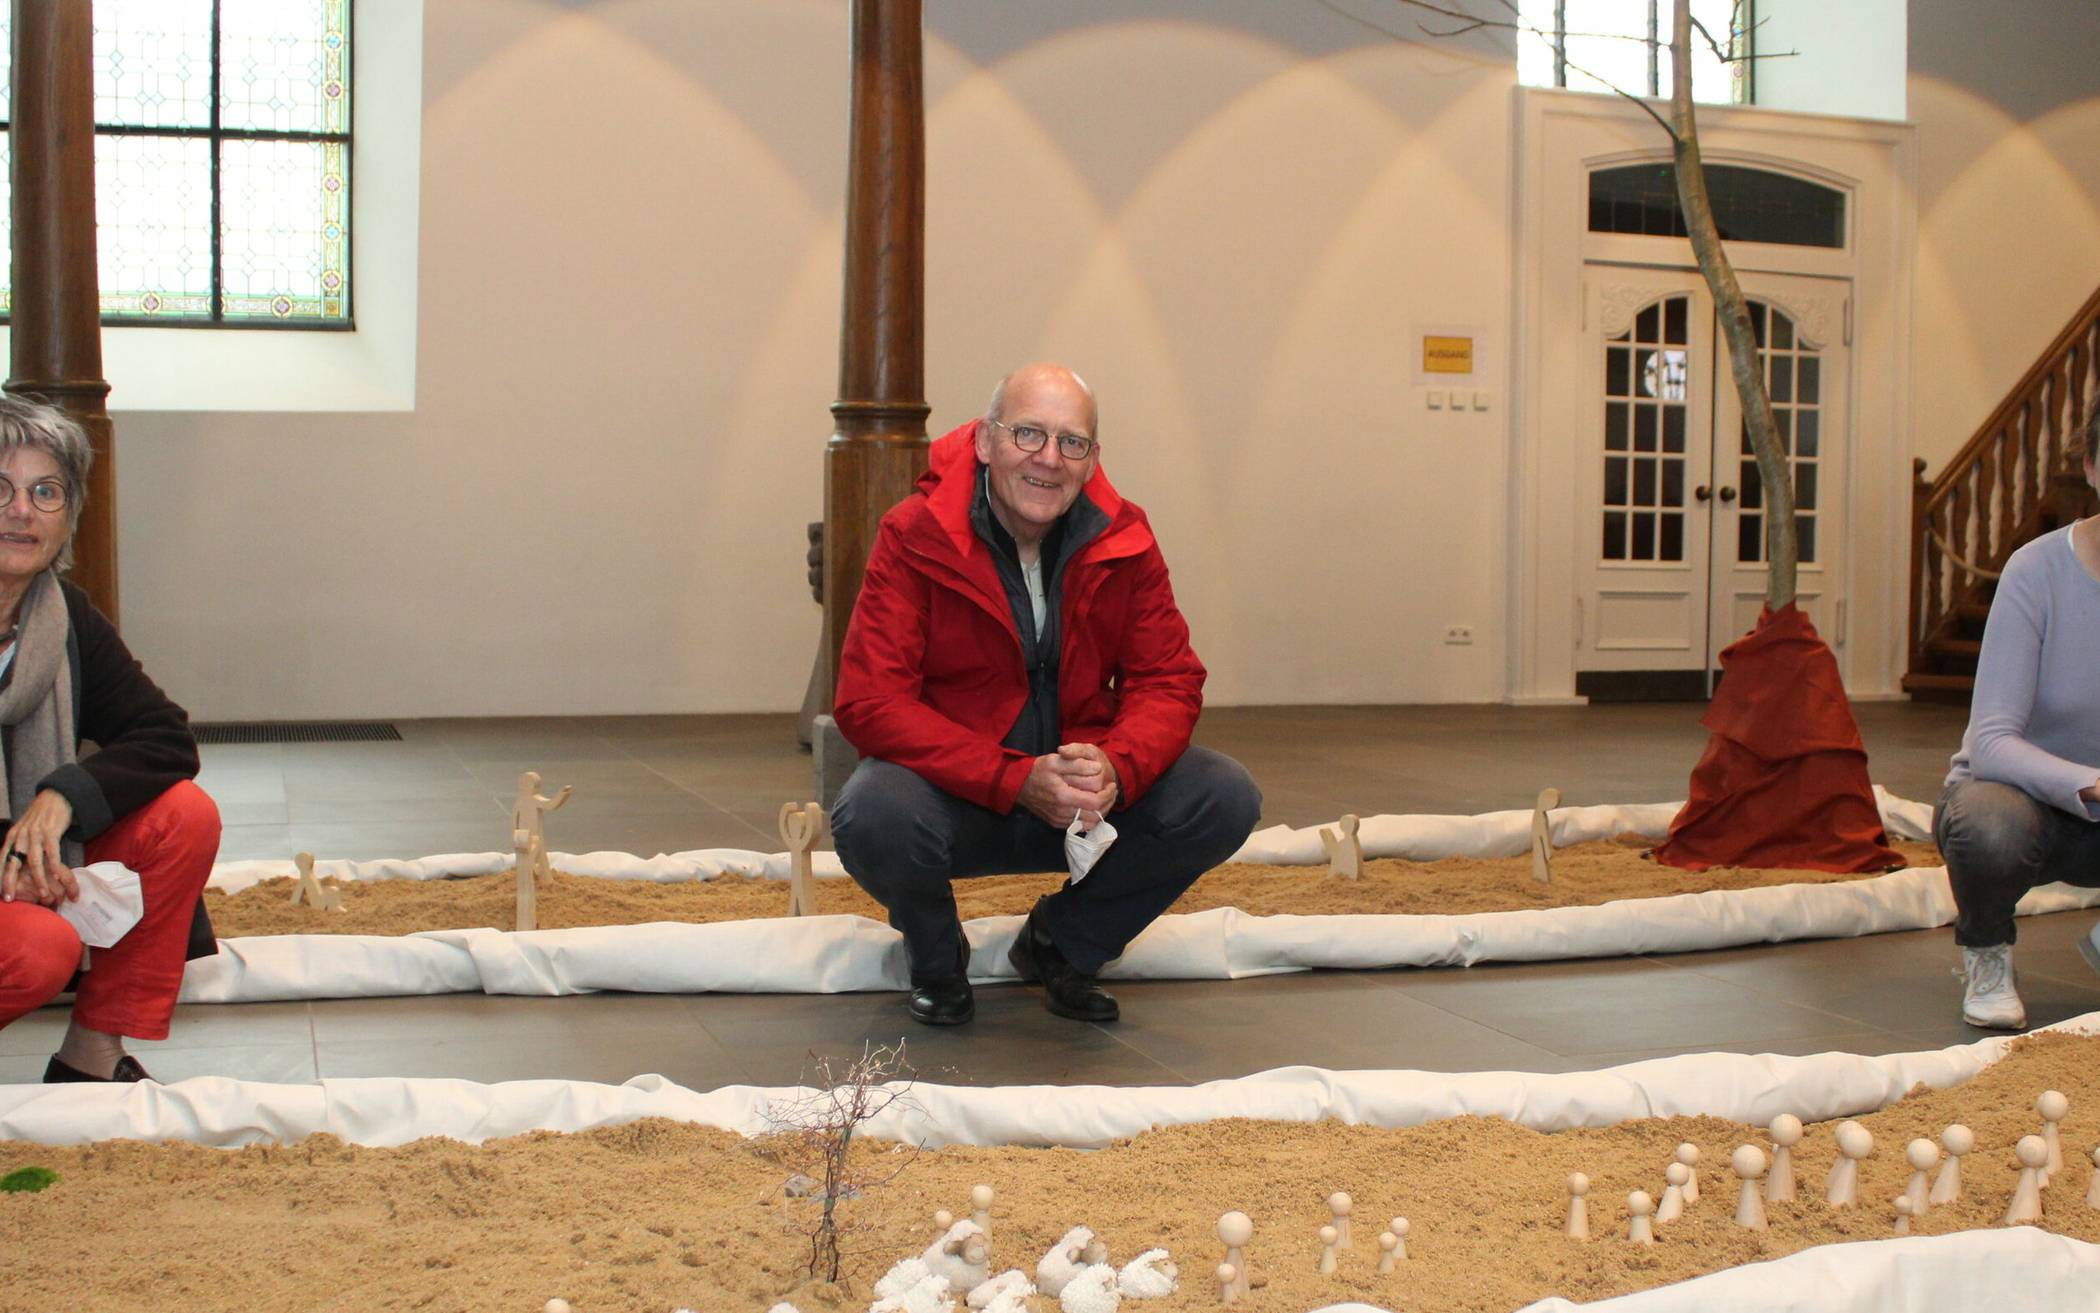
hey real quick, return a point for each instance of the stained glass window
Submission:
(222, 161)
(1624, 45)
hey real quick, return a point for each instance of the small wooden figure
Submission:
(1340, 1204)
(981, 1208)
(942, 1220)
(311, 891)
(556, 1305)
(528, 834)
(1235, 1229)
(2052, 1105)
(2092, 1189)
(802, 824)
(1960, 1142)
(1345, 852)
(1387, 1242)
(1786, 1133)
(1749, 1164)
(1923, 1155)
(1578, 1225)
(1905, 1210)
(1688, 1154)
(1640, 1229)
(1228, 1283)
(1542, 836)
(1675, 1176)
(1399, 1227)
(1329, 1238)
(2033, 1153)
(1854, 1143)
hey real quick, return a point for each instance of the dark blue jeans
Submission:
(1999, 842)
(903, 839)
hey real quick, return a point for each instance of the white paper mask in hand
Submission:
(110, 903)
(1084, 846)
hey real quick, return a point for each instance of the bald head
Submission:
(1044, 385)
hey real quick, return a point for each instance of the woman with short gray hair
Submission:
(65, 678)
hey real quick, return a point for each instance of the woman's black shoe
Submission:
(127, 1069)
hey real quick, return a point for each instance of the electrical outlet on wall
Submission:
(1458, 634)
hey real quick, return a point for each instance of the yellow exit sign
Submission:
(1447, 355)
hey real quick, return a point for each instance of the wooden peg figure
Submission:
(981, 1208)
(1675, 1178)
(1542, 836)
(2033, 1153)
(1235, 1229)
(1854, 1143)
(802, 824)
(1345, 852)
(2092, 1189)
(1387, 1242)
(1779, 1182)
(311, 891)
(1688, 1154)
(1328, 1244)
(1228, 1283)
(1578, 1225)
(1905, 1210)
(1640, 1228)
(1960, 1141)
(1399, 1228)
(2052, 1105)
(1749, 1164)
(528, 833)
(1922, 1155)
(1340, 1204)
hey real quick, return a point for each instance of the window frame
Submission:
(217, 134)
(1743, 72)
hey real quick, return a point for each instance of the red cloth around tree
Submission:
(1783, 782)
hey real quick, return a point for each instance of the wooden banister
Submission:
(1998, 490)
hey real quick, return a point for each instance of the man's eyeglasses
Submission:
(47, 495)
(1030, 438)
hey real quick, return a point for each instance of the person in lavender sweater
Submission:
(2021, 806)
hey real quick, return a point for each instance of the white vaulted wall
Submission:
(1228, 216)
(578, 483)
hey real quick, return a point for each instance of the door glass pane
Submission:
(1644, 425)
(1615, 426)
(1643, 535)
(1804, 486)
(1675, 312)
(1672, 545)
(1673, 428)
(1615, 481)
(1806, 423)
(1615, 535)
(1805, 533)
(1810, 390)
(1750, 539)
(1644, 483)
(1673, 482)
(1618, 372)
(1753, 487)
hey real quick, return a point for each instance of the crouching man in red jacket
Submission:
(1015, 660)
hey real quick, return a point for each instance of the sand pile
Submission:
(1583, 875)
(657, 1215)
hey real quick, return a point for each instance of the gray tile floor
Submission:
(649, 784)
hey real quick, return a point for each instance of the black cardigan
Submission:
(142, 739)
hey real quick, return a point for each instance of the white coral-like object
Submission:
(1012, 1300)
(907, 1273)
(963, 1255)
(1148, 1276)
(929, 1296)
(1066, 1259)
(987, 1292)
(1092, 1291)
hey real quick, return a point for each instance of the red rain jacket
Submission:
(932, 674)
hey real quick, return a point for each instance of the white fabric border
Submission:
(2022, 1267)
(833, 954)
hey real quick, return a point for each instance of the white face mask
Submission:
(1084, 846)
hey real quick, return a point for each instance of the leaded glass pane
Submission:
(1750, 205)
(153, 63)
(286, 65)
(153, 225)
(283, 204)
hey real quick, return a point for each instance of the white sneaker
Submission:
(1992, 997)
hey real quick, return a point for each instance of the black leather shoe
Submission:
(1067, 991)
(948, 1002)
(127, 1069)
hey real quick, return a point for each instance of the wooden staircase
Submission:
(2017, 478)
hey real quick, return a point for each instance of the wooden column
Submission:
(878, 444)
(56, 339)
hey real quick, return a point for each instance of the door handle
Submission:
(1727, 494)
(1703, 493)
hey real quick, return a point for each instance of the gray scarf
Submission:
(36, 706)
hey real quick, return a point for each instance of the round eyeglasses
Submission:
(1029, 438)
(47, 495)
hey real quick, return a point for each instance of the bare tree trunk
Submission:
(1773, 473)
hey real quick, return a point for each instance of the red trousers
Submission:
(130, 986)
